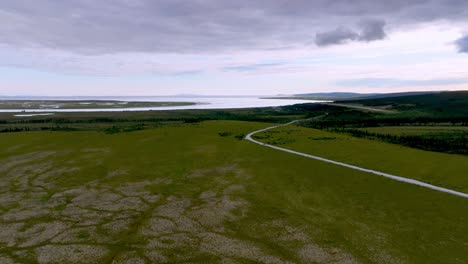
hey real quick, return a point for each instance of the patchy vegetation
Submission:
(183, 187)
(185, 194)
(445, 114)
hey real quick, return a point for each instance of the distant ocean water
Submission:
(203, 102)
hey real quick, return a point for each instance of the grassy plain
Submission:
(194, 192)
(447, 170)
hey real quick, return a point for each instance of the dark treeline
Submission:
(14, 129)
(27, 129)
(146, 120)
(444, 104)
(394, 121)
(130, 121)
(275, 115)
(449, 143)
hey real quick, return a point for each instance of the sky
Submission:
(224, 47)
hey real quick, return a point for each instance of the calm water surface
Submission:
(202, 103)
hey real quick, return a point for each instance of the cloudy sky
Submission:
(166, 47)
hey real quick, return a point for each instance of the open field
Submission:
(445, 170)
(196, 193)
(182, 186)
(81, 104)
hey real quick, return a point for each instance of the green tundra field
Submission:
(196, 193)
(445, 170)
(185, 187)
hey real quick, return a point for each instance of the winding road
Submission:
(386, 175)
(362, 108)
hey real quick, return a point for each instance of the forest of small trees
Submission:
(449, 143)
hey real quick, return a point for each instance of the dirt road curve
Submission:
(362, 108)
(386, 175)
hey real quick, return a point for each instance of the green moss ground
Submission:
(290, 208)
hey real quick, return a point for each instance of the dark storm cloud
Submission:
(371, 30)
(462, 44)
(337, 36)
(183, 26)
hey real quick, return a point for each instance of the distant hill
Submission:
(385, 95)
(336, 95)
(355, 96)
(333, 95)
(454, 104)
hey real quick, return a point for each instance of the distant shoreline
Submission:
(118, 104)
(82, 104)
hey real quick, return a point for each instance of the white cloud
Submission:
(226, 46)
